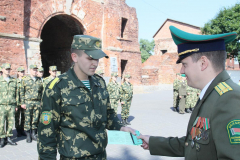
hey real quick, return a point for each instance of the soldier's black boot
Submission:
(28, 139)
(187, 110)
(9, 141)
(174, 109)
(127, 123)
(34, 136)
(19, 133)
(22, 132)
(2, 143)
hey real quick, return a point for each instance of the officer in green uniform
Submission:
(213, 129)
(76, 110)
(114, 91)
(182, 94)
(53, 74)
(8, 104)
(31, 94)
(40, 73)
(176, 83)
(19, 115)
(126, 91)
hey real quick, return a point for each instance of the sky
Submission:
(152, 14)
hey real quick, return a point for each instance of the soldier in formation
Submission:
(40, 73)
(76, 110)
(182, 94)
(176, 92)
(31, 94)
(53, 74)
(126, 91)
(114, 91)
(20, 115)
(8, 105)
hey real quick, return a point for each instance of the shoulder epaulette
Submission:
(222, 88)
(55, 81)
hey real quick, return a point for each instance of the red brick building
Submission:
(40, 32)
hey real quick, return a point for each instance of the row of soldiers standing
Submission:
(122, 94)
(184, 96)
(21, 98)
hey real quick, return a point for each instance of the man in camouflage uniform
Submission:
(126, 91)
(53, 73)
(76, 110)
(31, 93)
(40, 73)
(8, 104)
(19, 123)
(182, 94)
(114, 91)
(176, 92)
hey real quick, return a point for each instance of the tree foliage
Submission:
(227, 20)
(146, 48)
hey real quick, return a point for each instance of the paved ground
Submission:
(151, 114)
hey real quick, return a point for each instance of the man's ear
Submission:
(204, 62)
(74, 57)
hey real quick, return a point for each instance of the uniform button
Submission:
(186, 144)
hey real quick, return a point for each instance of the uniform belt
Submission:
(92, 157)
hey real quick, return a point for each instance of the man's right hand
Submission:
(23, 106)
(145, 139)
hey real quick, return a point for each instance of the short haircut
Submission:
(217, 58)
(77, 51)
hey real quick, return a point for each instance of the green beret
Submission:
(92, 46)
(100, 72)
(189, 44)
(20, 69)
(33, 66)
(53, 68)
(6, 66)
(127, 76)
(114, 74)
(40, 69)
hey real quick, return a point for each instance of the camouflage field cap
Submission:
(92, 46)
(100, 72)
(127, 76)
(40, 69)
(20, 69)
(33, 66)
(53, 68)
(6, 66)
(189, 44)
(114, 74)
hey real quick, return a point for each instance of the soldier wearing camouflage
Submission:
(114, 91)
(53, 74)
(31, 93)
(126, 98)
(182, 94)
(176, 92)
(20, 115)
(75, 108)
(8, 104)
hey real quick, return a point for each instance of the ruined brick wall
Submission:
(21, 31)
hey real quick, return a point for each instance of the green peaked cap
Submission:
(180, 36)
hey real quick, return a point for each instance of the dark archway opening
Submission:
(57, 35)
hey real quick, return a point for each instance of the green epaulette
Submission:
(222, 88)
(55, 81)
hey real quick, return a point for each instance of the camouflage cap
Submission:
(20, 69)
(99, 72)
(33, 66)
(53, 68)
(6, 66)
(40, 69)
(127, 76)
(114, 74)
(92, 46)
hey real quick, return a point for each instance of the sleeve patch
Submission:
(53, 83)
(233, 129)
(222, 88)
(46, 117)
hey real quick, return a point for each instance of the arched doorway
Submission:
(57, 35)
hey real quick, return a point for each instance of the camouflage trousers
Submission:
(125, 109)
(114, 104)
(6, 115)
(101, 156)
(189, 100)
(19, 123)
(182, 104)
(175, 99)
(31, 115)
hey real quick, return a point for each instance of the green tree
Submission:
(227, 20)
(146, 49)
